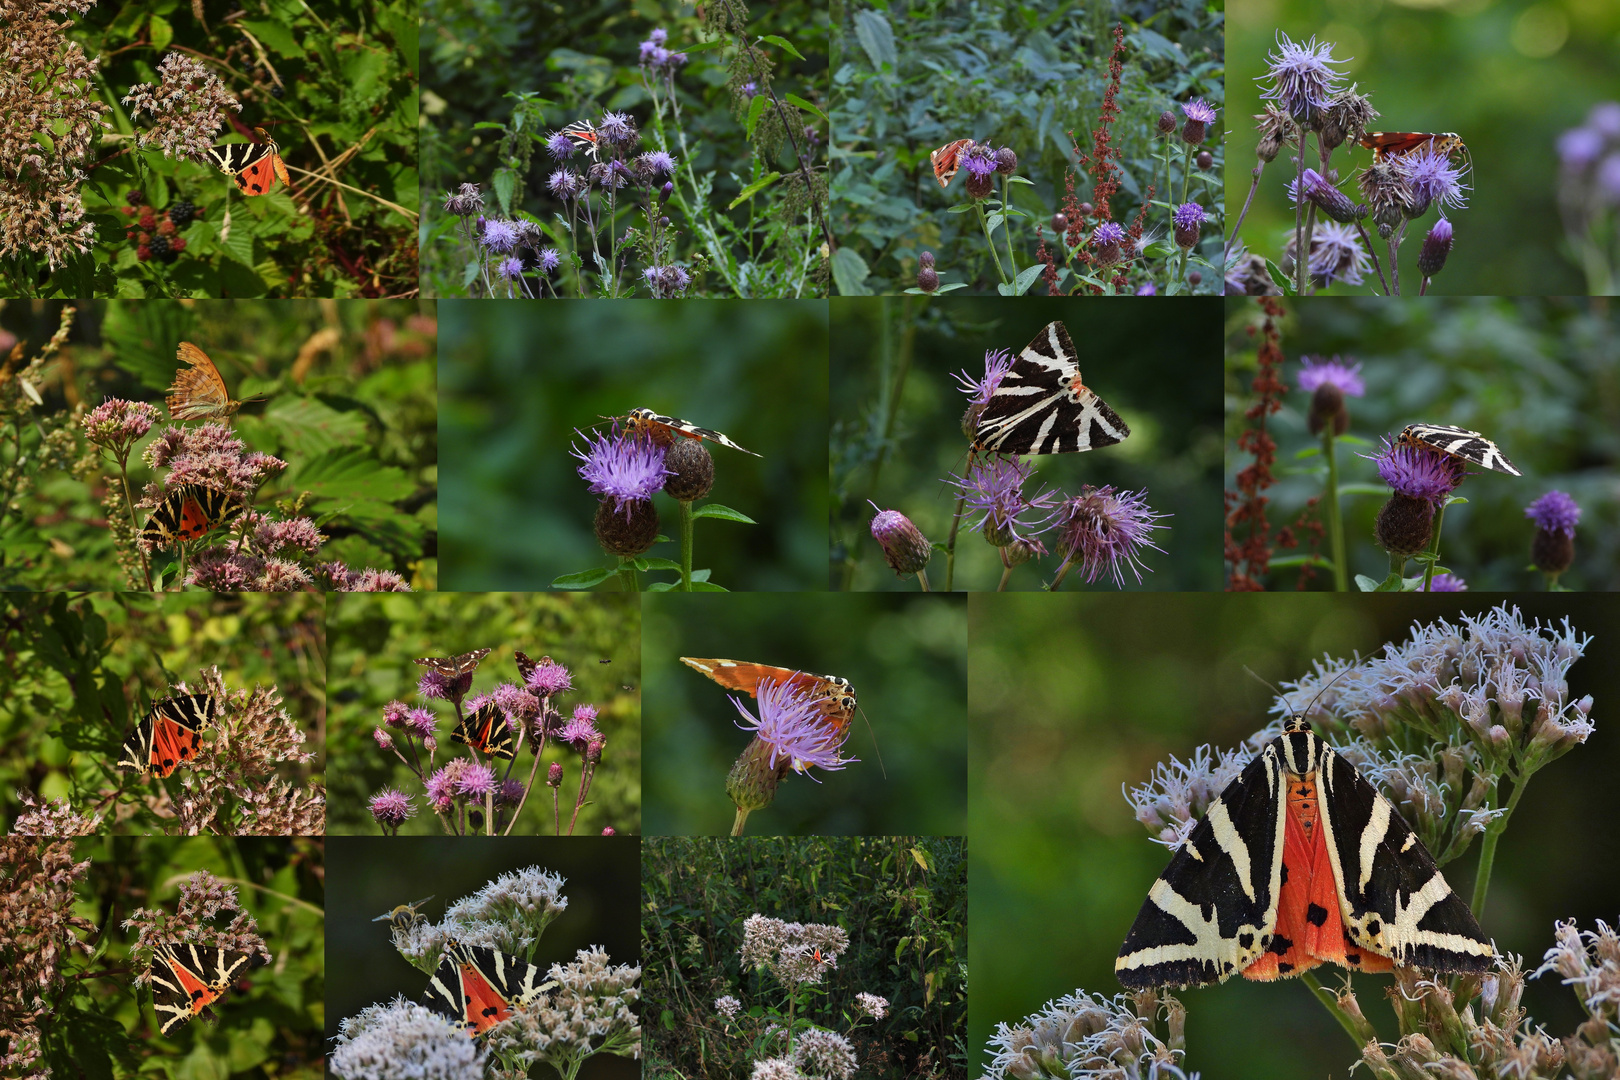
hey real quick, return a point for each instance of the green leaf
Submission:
(707, 586)
(505, 182)
(795, 99)
(645, 563)
(661, 586)
(1365, 583)
(585, 579)
(309, 426)
(756, 109)
(782, 43)
(274, 36)
(351, 472)
(162, 33)
(489, 124)
(1308, 452)
(850, 272)
(470, 274)
(872, 30)
(755, 188)
(724, 513)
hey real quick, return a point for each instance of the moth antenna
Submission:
(1312, 703)
(875, 749)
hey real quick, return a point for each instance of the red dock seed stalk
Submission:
(1246, 507)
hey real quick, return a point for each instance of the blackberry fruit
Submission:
(159, 246)
(182, 213)
(135, 198)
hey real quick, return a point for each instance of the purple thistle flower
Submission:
(1447, 583)
(1605, 119)
(422, 722)
(1149, 289)
(384, 740)
(391, 808)
(474, 780)
(565, 183)
(509, 792)
(117, 424)
(394, 713)
(1555, 512)
(659, 35)
(1188, 221)
(1302, 78)
(655, 163)
(905, 548)
(1101, 530)
(791, 724)
(1200, 110)
(653, 54)
(499, 236)
(548, 259)
(510, 268)
(621, 467)
(441, 788)
(517, 704)
(1315, 371)
(549, 679)
(750, 89)
(1419, 472)
(581, 727)
(432, 684)
(616, 128)
(1433, 179)
(1579, 147)
(1436, 247)
(559, 146)
(979, 160)
(667, 282)
(1108, 234)
(997, 362)
(1608, 177)
(1337, 254)
(994, 488)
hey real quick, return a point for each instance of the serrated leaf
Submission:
(585, 579)
(795, 99)
(350, 472)
(755, 188)
(850, 272)
(505, 182)
(724, 513)
(876, 36)
(309, 426)
(756, 109)
(782, 43)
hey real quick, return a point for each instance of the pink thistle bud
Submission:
(554, 774)
(608, 831)
(385, 741)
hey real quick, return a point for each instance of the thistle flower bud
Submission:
(554, 774)
(691, 470)
(927, 279)
(1167, 122)
(1404, 524)
(1060, 223)
(1330, 200)
(752, 782)
(1205, 160)
(1327, 407)
(1006, 161)
(926, 259)
(628, 528)
(905, 548)
(1436, 246)
(1194, 277)
(1086, 209)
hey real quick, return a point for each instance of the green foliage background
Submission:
(370, 876)
(1060, 866)
(580, 58)
(1483, 71)
(902, 900)
(377, 636)
(271, 1029)
(910, 76)
(77, 672)
(349, 79)
(1144, 360)
(1540, 377)
(905, 657)
(520, 380)
(354, 418)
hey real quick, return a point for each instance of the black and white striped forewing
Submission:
(476, 986)
(1393, 899)
(1212, 911)
(1471, 446)
(1042, 407)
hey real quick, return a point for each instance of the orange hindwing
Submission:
(187, 513)
(835, 696)
(1394, 144)
(198, 391)
(947, 159)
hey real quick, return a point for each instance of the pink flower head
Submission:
(391, 808)
(518, 704)
(117, 424)
(394, 713)
(441, 787)
(299, 534)
(475, 781)
(549, 679)
(792, 724)
(422, 722)
(385, 741)
(434, 684)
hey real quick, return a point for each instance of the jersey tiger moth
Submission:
(486, 730)
(1041, 406)
(187, 513)
(255, 166)
(1471, 446)
(186, 979)
(169, 734)
(477, 986)
(1299, 861)
(663, 429)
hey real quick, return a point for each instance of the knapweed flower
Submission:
(1302, 78)
(994, 489)
(433, 684)
(905, 548)
(118, 424)
(421, 722)
(1556, 515)
(655, 165)
(498, 236)
(465, 201)
(793, 729)
(547, 260)
(1436, 247)
(979, 160)
(620, 467)
(1447, 583)
(997, 362)
(1432, 179)
(581, 728)
(1330, 382)
(391, 808)
(927, 276)
(549, 678)
(1420, 472)
(1107, 242)
(510, 268)
(1104, 531)
(1147, 289)
(1199, 116)
(617, 128)
(1189, 221)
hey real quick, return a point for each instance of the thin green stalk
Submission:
(1006, 572)
(1006, 223)
(984, 223)
(1434, 546)
(686, 545)
(627, 576)
(1487, 850)
(123, 473)
(1187, 171)
(922, 576)
(1341, 576)
(950, 542)
(1301, 255)
(1332, 1006)
(737, 825)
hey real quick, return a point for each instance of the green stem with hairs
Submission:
(627, 575)
(950, 542)
(1006, 224)
(737, 825)
(1434, 545)
(1341, 577)
(984, 223)
(686, 545)
(1487, 850)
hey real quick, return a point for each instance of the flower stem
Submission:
(686, 545)
(1332, 1006)
(627, 575)
(1232, 238)
(1367, 240)
(1434, 546)
(123, 473)
(1487, 849)
(1006, 224)
(1341, 579)
(737, 825)
(922, 576)
(950, 542)
(984, 223)
(1302, 255)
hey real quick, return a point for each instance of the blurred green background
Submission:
(1150, 362)
(901, 899)
(373, 875)
(269, 1025)
(375, 638)
(519, 381)
(1060, 867)
(348, 402)
(1539, 377)
(77, 672)
(905, 657)
(1506, 76)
